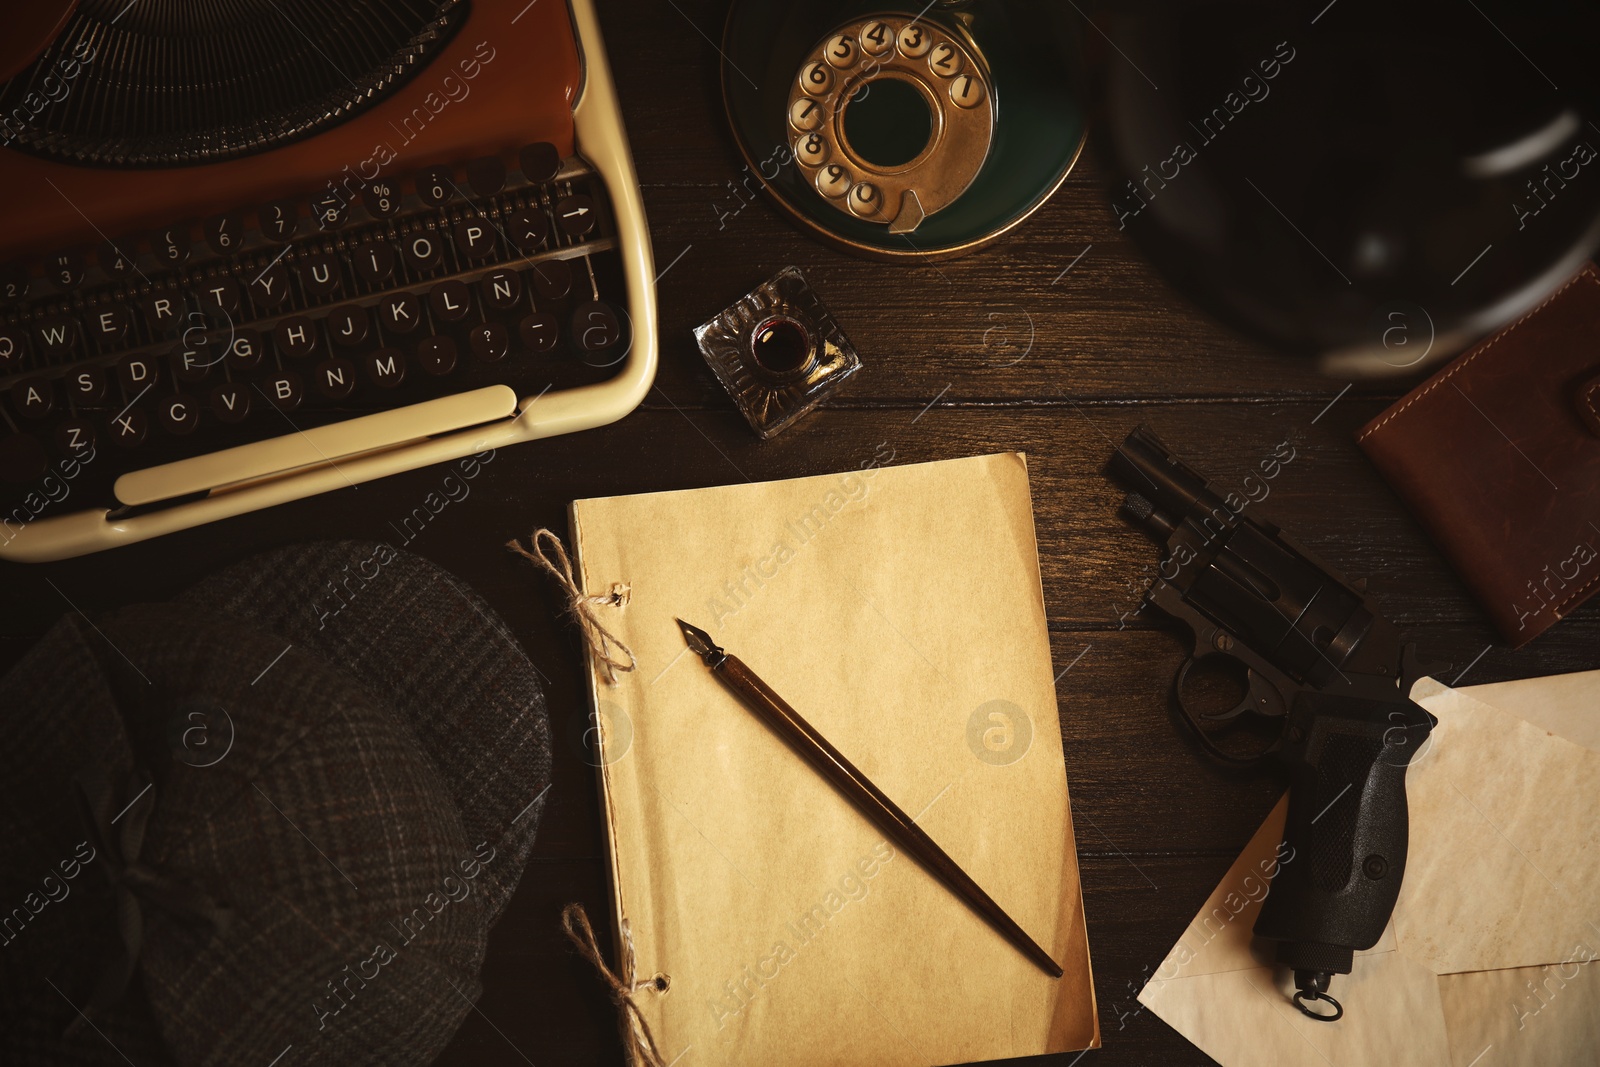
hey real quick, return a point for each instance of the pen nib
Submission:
(698, 639)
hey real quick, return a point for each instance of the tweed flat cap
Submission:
(274, 817)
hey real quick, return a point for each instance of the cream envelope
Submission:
(1488, 960)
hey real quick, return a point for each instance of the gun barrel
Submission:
(1147, 469)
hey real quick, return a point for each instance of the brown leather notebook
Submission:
(1498, 456)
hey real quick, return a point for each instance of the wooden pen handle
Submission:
(884, 813)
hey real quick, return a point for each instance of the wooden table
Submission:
(1055, 343)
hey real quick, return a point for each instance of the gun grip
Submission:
(1346, 834)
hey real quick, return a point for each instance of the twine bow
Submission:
(636, 1035)
(606, 650)
(135, 884)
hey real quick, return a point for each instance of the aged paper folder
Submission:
(899, 609)
(1489, 959)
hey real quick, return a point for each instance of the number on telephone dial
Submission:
(891, 119)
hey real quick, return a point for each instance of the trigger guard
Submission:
(1260, 696)
(1196, 717)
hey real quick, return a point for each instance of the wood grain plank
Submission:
(1010, 322)
(1109, 327)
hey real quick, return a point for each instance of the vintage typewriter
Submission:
(254, 250)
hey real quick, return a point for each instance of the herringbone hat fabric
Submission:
(353, 791)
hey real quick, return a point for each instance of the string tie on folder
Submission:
(636, 1035)
(609, 653)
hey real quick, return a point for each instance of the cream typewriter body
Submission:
(306, 284)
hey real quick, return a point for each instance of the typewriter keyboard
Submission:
(261, 322)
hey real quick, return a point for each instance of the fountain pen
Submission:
(884, 813)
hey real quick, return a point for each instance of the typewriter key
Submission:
(528, 229)
(330, 210)
(129, 429)
(450, 301)
(374, 263)
(179, 415)
(200, 351)
(487, 175)
(171, 247)
(335, 378)
(576, 214)
(381, 199)
(87, 385)
(421, 251)
(348, 325)
(74, 437)
(230, 402)
(223, 233)
(437, 356)
(14, 280)
(110, 325)
(244, 351)
(284, 391)
(539, 332)
(13, 347)
(501, 290)
(34, 398)
(270, 288)
(138, 373)
(279, 220)
(540, 162)
(296, 337)
(386, 367)
(65, 270)
(489, 342)
(400, 313)
(116, 257)
(436, 186)
(319, 274)
(219, 294)
(58, 336)
(474, 238)
(552, 279)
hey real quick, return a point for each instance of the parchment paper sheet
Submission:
(1489, 959)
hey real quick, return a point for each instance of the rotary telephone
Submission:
(903, 134)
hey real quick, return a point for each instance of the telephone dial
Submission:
(899, 134)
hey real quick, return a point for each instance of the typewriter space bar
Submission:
(321, 445)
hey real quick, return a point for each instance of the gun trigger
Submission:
(1264, 697)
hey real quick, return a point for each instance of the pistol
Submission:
(1325, 670)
